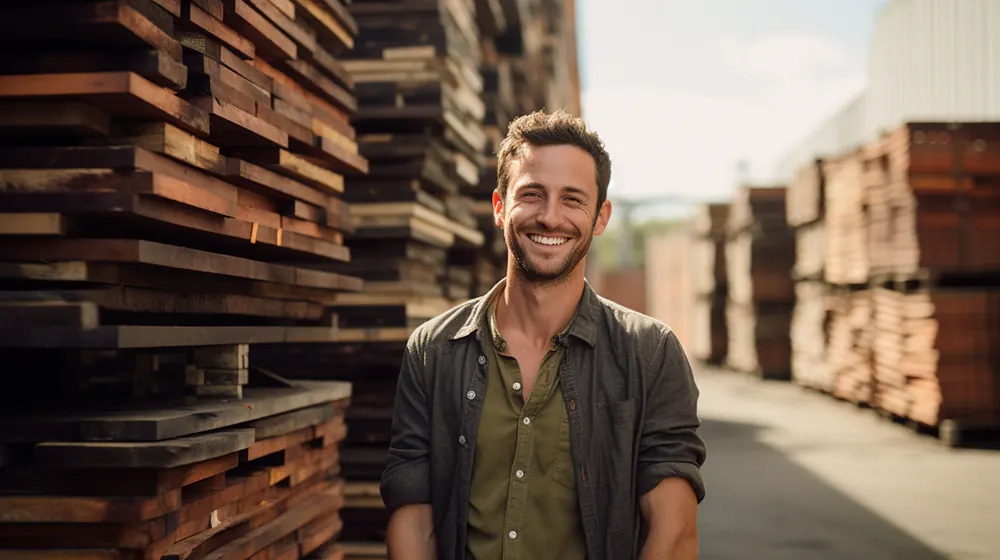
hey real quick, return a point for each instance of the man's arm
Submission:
(406, 480)
(671, 511)
(669, 482)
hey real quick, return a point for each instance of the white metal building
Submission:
(931, 60)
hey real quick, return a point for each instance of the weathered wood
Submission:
(139, 423)
(215, 50)
(168, 140)
(159, 454)
(32, 224)
(110, 23)
(201, 21)
(269, 40)
(232, 126)
(292, 165)
(36, 120)
(45, 509)
(82, 315)
(121, 94)
(262, 179)
(156, 66)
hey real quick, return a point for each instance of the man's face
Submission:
(550, 212)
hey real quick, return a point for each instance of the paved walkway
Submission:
(792, 474)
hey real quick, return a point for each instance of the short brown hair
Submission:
(552, 129)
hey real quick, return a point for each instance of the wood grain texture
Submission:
(160, 454)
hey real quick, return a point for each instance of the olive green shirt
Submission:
(523, 501)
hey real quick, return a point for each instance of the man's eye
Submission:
(526, 195)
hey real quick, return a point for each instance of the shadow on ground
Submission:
(761, 505)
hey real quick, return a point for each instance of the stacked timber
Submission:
(850, 339)
(710, 336)
(760, 255)
(217, 479)
(805, 211)
(170, 181)
(934, 220)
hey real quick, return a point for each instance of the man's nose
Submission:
(551, 214)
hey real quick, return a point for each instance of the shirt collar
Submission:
(583, 325)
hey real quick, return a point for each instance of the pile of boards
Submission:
(171, 176)
(760, 253)
(709, 334)
(910, 272)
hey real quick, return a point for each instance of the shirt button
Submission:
(519, 474)
(512, 534)
(527, 420)
(471, 395)
(516, 386)
(482, 360)
(461, 440)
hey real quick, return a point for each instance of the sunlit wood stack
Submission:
(846, 220)
(710, 336)
(934, 209)
(170, 181)
(805, 212)
(849, 343)
(760, 255)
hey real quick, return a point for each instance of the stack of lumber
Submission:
(805, 211)
(170, 181)
(135, 211)
(935, 216)
(257, 478)
(419, 121)
(846, 219)
(760, 254)
(849, 346)
(710, 336)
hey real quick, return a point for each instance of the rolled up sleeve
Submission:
(406, 478)
(669, 444)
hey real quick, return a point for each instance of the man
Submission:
(541, 421)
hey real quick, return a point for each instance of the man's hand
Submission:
(671, 511)
(410, 534)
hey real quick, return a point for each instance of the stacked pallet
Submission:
(850, 340)
(805, 212)
(760, 255)
(170, 177)
(934, 208)
(710, 336)
(219, 479)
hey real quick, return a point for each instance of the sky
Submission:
(683, 90)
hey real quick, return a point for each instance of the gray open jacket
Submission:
(632, 405)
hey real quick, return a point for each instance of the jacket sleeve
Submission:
(669, 443)
(406, 478)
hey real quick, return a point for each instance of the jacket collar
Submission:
(582, 326)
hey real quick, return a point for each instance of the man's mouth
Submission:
(547, 240)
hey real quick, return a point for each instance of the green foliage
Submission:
(607, 248)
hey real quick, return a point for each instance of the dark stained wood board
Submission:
(147, 423)
(171, 257)
(156, 66)
(121, 94)
(121, 337)
(196, 20)
(37, 120)
(58, 509)
(107, 23)
(208, 46)
(157, 455)
(268, 39)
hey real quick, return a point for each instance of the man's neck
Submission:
(538, 311)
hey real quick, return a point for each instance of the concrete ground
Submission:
(792, 474)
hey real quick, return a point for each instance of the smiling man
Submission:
(540, 420)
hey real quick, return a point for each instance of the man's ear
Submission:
(497, 209)
(603, 217)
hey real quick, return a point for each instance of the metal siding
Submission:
(928, 60)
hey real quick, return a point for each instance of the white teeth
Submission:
(548, 240)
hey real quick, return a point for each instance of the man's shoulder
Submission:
(444, 326)
(629, 325)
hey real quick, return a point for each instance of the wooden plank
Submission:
(201, 43)
(319, 84)
(288, 89)
(34, 119)
(172, 6)
(202, 21)
(122, 337)
(168, 140)
(304, 37)
(233, 127)
(140, 300)
(105, 23)
(136, 422)
(81, 315)
(173, 257)
(56, 509)
(334, 31)
(135, 536)
(32, 224)
(305, 211)
(270, 41)
(213, 7)
(294, 166)
(159, 454)
(282, 424)
(156, 66)
(204, 64)
(250, 175)
(64, 554)
(298, 135)
(121, 94)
